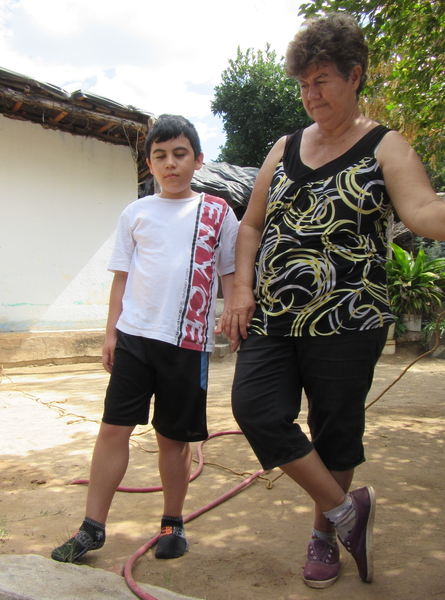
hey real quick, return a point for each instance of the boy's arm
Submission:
(227, 290)
(227, 286)
(114, 311)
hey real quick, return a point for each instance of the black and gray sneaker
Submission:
(172, 543)
(77, 546)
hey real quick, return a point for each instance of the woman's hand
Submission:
(236, 318)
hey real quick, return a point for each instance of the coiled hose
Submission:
(134, 587)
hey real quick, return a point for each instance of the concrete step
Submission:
(63, 347)
(221, 350)
(222, 344)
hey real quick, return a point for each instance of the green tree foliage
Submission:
(258, 104)
(407, 42)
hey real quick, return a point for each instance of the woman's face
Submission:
(327, 96)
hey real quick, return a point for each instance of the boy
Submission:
(159, 332)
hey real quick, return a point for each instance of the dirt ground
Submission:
(253, 546)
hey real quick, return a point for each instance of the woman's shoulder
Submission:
(393, 148)
(275, 155)
(280, 145)
(394, 138)
(373, 135)
(291, 150)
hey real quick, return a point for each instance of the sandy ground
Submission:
(253, 546)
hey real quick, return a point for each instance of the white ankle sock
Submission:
(342, 517)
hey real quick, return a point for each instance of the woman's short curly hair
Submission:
(336, 38)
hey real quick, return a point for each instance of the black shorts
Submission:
(176, 376)
(336, 374)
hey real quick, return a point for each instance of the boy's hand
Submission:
(221, 327)
(236, 318)
(108, 352)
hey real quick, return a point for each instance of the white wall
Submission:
(60, 198)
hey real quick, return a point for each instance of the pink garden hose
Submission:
(134, 587)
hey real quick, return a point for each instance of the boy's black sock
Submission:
(91, 536)
(172, 542)
(96, 530)
(172, 521)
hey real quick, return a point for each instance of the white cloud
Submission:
(205, 131)
(161, 57)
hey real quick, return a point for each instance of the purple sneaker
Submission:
(359, 540)
(322, 567)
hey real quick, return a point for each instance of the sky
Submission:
(162, 57)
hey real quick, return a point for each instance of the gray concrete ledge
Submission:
(55, 347)
(33, 577)
(35, 348)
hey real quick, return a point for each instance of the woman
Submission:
(310, 303)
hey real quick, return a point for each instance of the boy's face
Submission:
(173, 163)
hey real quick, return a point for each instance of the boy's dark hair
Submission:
(169, 127)
(336, 38)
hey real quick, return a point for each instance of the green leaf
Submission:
(258, 104)
(412, 283)
(407, 44)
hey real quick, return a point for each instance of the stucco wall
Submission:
(60, 196)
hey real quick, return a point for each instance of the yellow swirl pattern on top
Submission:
(320, 265)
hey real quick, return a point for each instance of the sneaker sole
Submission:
(369, 536)
(319, 585)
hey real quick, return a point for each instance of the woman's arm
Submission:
(114, 312)
(409, 188)
(236, 318)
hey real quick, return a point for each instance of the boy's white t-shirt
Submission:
(172, 251)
